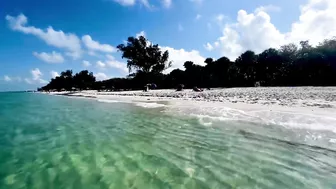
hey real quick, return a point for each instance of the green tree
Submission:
(195, 75)
(66, 80)
(270, 68)
(246, 64)
(84, 79)
(144, 56)
(216, 72)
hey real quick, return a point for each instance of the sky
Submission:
(41, 38)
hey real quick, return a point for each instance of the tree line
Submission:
(290, 65)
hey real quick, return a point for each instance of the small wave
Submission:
(288, 120)
(291, 120)
(298, 121)
(108, 101)
(149, 105)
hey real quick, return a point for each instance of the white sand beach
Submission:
(302, 107)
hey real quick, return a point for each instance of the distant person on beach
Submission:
(197, 89)
(153, 86)
(180, 87)
(145, 89)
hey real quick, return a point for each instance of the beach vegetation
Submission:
(289, 65)
(144, 56)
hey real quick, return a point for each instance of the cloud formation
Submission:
(36, 73)
(142, 33)
(179, 56)
(255, 31)
(145, 3)
(54, 74)
(86, 63)
(126, 2)
(133, 2)
(220, 17)
(36, 77)
(7, 78)
(167, 3)
(96, 46)
(268, 8)
(100, 64)
(208, 47)
(113, 63)
(101, 76)
(52, 57)
(59, 39)
(11, 79)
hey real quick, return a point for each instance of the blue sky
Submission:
(44, 37)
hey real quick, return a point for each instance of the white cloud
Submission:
(86, 63)
(208, 47)
(96, 46)
(145, 3)
(316, 22)
(180, 56)
(54, 74)
(95, 54)
(220, 20)
(220, 17)
(92, 53)
(58, 39)
(126, 2)
(251, 32)
(167, 3)
(74, 55)
(133, 2)
(36, 73)
(100, 64)
(268, 8)
(113, 63)
(142, 33)
(256, 32)
(7, 78)
(101, 76)
(180, 27)
(52, 57)
(198, 16)
(36, 77)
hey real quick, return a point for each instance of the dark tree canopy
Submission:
(144, 56)
(83, 79)
(290, 65)
(67, 81)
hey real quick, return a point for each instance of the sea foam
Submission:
(291, 120)
(149, 105)
(108, 101)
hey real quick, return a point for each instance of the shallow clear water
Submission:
(50, 142)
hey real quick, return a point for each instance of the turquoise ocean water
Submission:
(52, 142)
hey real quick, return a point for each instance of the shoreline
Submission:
(296, 97)
(305, 97)
(311, 107)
